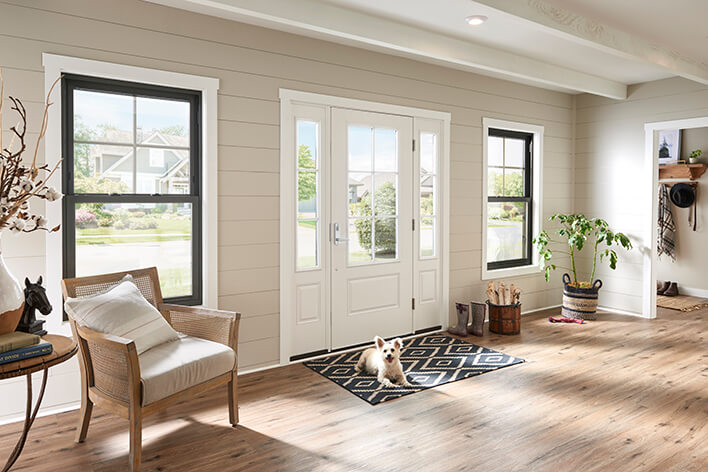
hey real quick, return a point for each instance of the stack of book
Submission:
(17, 346)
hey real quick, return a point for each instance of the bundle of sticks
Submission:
(503, 295)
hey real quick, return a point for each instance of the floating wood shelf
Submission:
(681, 171)
(671, 184)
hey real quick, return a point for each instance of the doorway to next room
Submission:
(681, 153)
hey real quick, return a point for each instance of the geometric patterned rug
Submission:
(428, 361)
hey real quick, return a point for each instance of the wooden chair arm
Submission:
(213, 325)
(110, 363)
(109, 340)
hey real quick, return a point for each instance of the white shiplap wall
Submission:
(610, 158)
(252, 64)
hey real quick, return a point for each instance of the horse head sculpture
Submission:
(35, 299)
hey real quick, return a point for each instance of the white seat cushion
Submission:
(122, 311)
(177, 365)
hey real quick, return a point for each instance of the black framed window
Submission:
(131, 179)
(509, 198)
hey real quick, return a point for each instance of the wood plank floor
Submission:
(619, 394)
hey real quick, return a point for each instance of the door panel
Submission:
(371, 213)
(427, 264)
(308, 326)
(373, 293)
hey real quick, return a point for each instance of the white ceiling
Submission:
(594, 46)
(679, 25)
(510, 33)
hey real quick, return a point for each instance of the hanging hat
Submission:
(682, 195)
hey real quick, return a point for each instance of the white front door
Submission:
(371, 235)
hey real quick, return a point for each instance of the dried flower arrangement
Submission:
(20, 182)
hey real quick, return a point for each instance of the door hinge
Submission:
(414, 145)
(413, 303)
(413, 221)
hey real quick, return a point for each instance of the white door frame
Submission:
(651, 166)
(287, 194)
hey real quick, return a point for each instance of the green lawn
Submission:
(176, 282)
(168, 229)
(307, 224)
(117, 239)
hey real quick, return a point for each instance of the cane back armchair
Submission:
(110, 365)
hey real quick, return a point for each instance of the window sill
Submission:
(510, 272)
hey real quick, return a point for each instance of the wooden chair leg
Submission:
(136, 438)
(233, 400)
(84, 418)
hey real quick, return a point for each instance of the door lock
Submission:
(337, 239)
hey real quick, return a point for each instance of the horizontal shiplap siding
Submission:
(252, 65)
(609, 158)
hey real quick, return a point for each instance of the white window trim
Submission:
(537, 202)
(54, 66)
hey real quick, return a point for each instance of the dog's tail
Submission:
(360, 364)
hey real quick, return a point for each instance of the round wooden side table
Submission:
(64, 349)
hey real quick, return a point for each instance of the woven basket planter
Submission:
(580, 303)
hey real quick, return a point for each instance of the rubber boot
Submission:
(479, 311)
(463, 315)
(672, 291)
(662, 287)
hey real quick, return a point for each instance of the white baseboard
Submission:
(528, 312)
(693, 292)
(620, 312)
(42, 412)
(258, 369)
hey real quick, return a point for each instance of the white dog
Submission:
(384, 362)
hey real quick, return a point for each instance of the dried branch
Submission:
(43, 128)
(18, 182)
(18, 107)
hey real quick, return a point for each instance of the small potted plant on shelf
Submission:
(694, 157)
(580, 296)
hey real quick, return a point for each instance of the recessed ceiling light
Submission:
(476, 20)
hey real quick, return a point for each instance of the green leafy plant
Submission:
(385, 228)
(578, 232)
(306, 181)
(696, 154)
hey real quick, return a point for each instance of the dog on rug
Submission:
(384, 361)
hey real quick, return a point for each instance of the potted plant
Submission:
(577, 231)
(694, 157)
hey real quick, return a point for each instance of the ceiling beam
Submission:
(602, 37)
(333, 23)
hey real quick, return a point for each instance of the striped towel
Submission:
(667, 228)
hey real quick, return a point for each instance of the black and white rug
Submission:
(428, 361)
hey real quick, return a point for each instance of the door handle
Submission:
(337, 239)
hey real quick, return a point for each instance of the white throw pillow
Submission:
(122, 311)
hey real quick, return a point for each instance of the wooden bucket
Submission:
(580, 303)
(504, 319)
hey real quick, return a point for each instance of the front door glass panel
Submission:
(372, 194)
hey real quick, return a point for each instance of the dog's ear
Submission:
(379, 342)
(398, 343)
